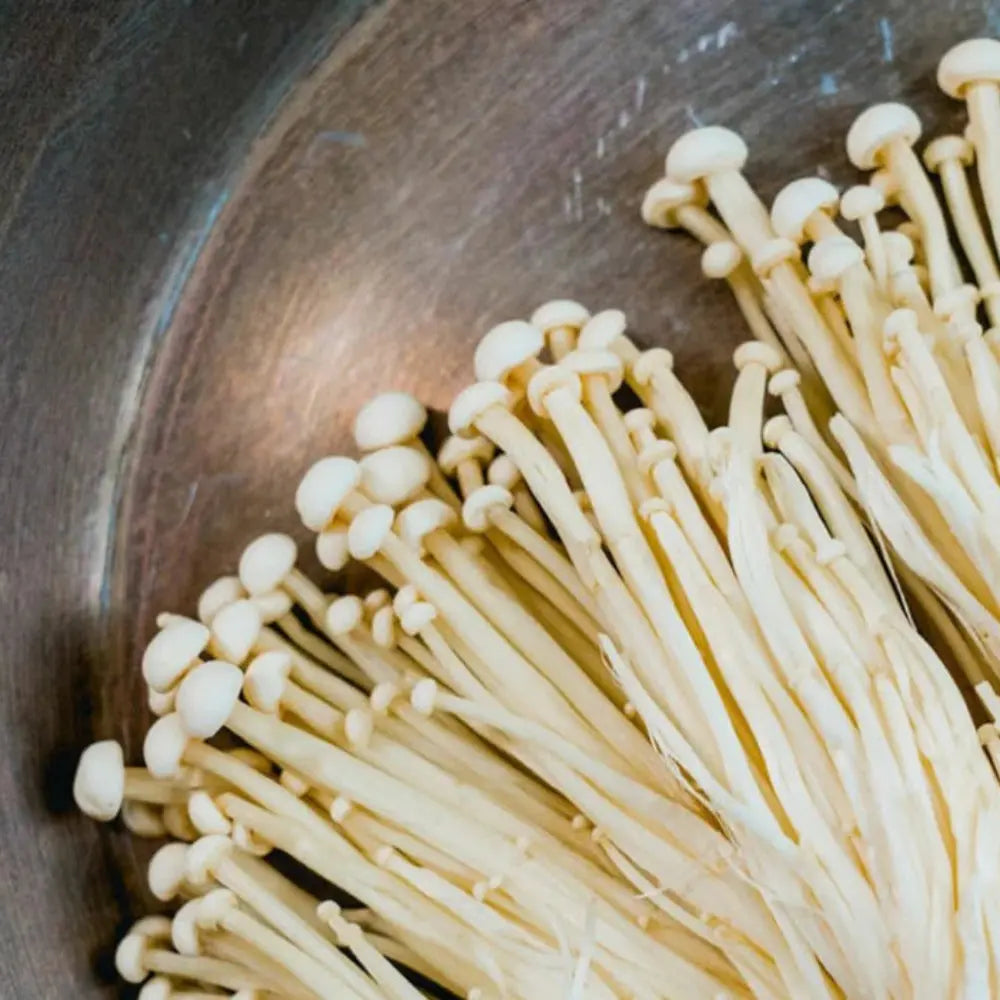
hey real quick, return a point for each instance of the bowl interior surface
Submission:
(377, 187)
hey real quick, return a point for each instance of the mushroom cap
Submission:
(382, 697)
(552, 378)
(651, 361)
(359, 725)
(831, 257)
(456, 450)
(798, 201)
(898, 249)
(204, 855)
(369, 530)
(503, 471)
(157, 988)
(206, 697)
(160, 702)
(705, 151)
(775, 429)
(472, 402)
(164, 745)
(755, 352)
(387, 419)
(293, 782)
(99, 783)
(640, 419)
(331, 548)
(273, 605)
(424, 695)
(604, 364)
(948, 147)
(417, 617)
(266, 561)
(602, 330)
(184, 930)
(383, 626)
(130, 958)
(665, 197)
(376, 599)
(505, 347)
(558, 313)
(235, 630)
(217, 595)
(171, 651)
(143, 820)
(167, 871)
(206, 817)
(406, 597)
(478, 504)
(783, 381)
(250, 842)
(720, 259)
(395, 474)
(861, 200)
(420, 518)
(976, 60)
(344, 615)
(875, 128)
(324, 488)
(265, 680)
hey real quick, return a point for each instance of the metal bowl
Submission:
(222, 225)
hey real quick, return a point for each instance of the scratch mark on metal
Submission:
(640, 93)
(624, 118)
(342, 138)
(693, 116)
(603, 208)
(601, 147)
(577, 194)
(888, 39)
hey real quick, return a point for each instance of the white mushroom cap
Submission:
(831, 257)
(603, 363)
(235, 630)
(387, 419)
(265, 680)
(166, 872)
(130, 958)
(207, 696)
(266, 561)
(99, 783)
(369, 530)
(344, 614)
(393, 475)
(164, 746)
(503, 471)
(720, 259)
(559, 313)
(171, 651)
(481, 501)
(898, 249)
(665, 197)
(976, 60)
(156, 927)
(206, 817)
(798, 201)
(705, 151)
(157, 988)
(472, 402)
(217, 595)
(247, 840)
(273, 605)
(160, 702)
(414, 619)
(424, 695)
(376, 599)
(948, 147)
(184, 929)
(456, 450)
(860, 201)
(293, 782)
(506, 347)
(602, 330)
(875, 128)
(324, 488)
(383, 626)
(204, 855)
(755, 352)
(331, 548)
(555, 378)
(213, 907)
(359, 725)
(419, 519)
(143, 820)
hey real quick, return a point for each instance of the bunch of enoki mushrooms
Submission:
(641, 710)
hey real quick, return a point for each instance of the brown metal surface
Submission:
(448, 165)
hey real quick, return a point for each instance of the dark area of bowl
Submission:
(223, 225)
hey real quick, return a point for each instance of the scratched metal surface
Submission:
(204, 270)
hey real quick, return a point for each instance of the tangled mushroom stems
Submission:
(640, 709)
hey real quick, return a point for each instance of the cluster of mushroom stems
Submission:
(639, 709)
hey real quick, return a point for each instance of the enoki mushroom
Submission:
(639, 710)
